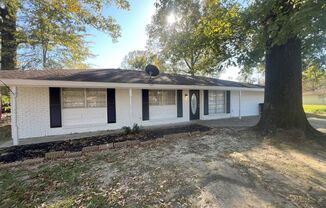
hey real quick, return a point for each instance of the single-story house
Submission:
(57, 102)
(317, 97)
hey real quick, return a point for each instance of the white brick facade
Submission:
(32, 114)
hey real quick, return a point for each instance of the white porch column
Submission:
(130, 107)
(240, 104)
(14, 128)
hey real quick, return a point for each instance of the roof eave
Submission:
(57, 83)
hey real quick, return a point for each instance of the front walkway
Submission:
(231, 122)
(319, 124)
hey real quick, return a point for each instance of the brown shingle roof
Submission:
(119, 76)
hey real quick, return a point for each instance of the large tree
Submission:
(52, 34)
(285, 34)
(139, 59)
(177, 29)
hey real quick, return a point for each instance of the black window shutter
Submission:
(179, 103)
(205, 102)
(55, 107)
(111, 105)
(228, 101)
(145, 100)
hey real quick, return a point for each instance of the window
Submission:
(162, 97)
(82, 98)
(216, 102)
(96, 98)
(73, 98)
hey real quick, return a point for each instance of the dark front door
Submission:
(194, 104)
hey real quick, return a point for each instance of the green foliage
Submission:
(140, 59)
(315, 109)
(127, 130)
(272, 22)
(180, 33)
(314, 78)
(52, 34)
(134, 130)
(5, 104)
(135, 60)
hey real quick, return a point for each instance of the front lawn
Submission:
(315, 109)
(226, 168)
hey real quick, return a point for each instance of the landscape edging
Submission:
(54, 155)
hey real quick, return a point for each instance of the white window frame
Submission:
(85, 98)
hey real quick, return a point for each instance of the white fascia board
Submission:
(54, 83)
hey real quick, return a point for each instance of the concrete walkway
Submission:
(231, 122)
(318, 123)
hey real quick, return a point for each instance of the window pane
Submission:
(95, 98)
(73, 98)
(162, 97)
(153, 97)
(216, 102)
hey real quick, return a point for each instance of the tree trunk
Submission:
(283, 90)
(8, 39)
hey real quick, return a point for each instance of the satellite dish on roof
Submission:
(152, 70)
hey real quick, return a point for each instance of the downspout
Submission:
(14, 127)
(240, 104)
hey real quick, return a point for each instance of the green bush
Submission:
(316, 109)
(5, 104)
(126, 130)
(134, 130)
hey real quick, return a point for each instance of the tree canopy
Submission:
(269, 22)
(139, 59)
(52, 34)
(193, 34)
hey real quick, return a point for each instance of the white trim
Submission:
(14, 127)
(240, 104)
(50, 83)
(130, 106)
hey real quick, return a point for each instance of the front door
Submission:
(194, 104)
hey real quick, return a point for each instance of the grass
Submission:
(315, 109)
(47, 183)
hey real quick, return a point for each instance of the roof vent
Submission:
(152, 70)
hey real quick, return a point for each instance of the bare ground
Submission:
(229, 167)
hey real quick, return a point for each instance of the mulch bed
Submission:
(23, 152)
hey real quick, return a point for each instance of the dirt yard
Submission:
(227, 167)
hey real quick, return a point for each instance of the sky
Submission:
(133, 37)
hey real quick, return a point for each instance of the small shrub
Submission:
(135, 128)
(127, 130)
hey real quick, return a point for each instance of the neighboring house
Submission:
(54, 102)
(317, 97)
